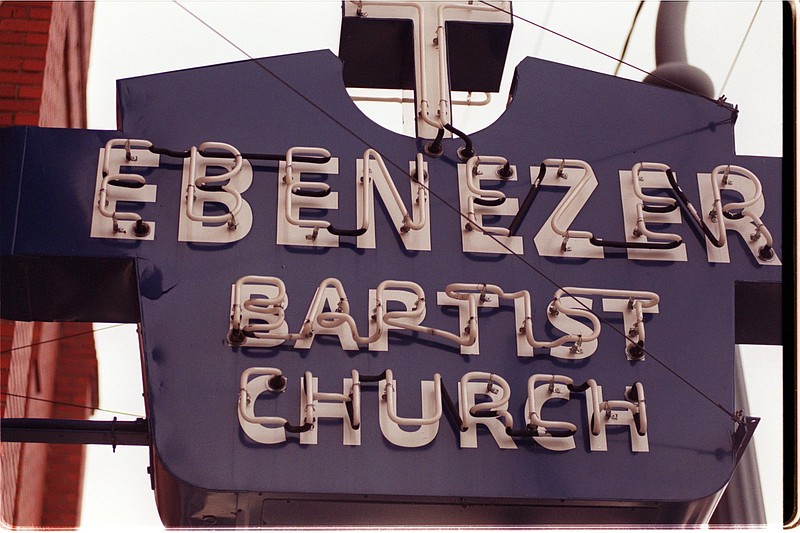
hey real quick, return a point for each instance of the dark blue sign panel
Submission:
(305, 320)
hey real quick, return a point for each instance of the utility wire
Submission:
(455, 209)
(628, 38)
(62, 338)
(67, 404)
(739, 51)
(720, 101)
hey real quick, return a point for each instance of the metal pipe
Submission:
(66, 431)
(672, 68)
(670, 34)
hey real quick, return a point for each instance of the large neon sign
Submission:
(355, 320)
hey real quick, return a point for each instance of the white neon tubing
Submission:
(356, 398)
(392, 317)
(366, 182)
(420, 27)
(473, 164)
(636, 305)
(422, 199)
(444, 93)
(637, 186)
(487, 99)
(716, 215)
(237, 163)
(245, 400)
(355, 391)
(342, 308)
(716, 210)
(727, 171)
(265, 306)
(641, 228)
(291, 186)
(492, 406)
(555, 221)
(642, 408)
(593, 397)
(440, 36)
(385, 99)
(333, 319)
(646, 298)
(261, 305)
(128, 144)
(460, 291)
(195, 182)
(102, 201)
(577, 312)
(463, 340)
(473, 219)
(527, 324)
(308, 390)
(634, 408)
(761, 229)
(468, 338)
(533, 416)
(422, 112)
(391, 403)
(608, 405)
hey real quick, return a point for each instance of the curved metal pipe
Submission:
(670, 32)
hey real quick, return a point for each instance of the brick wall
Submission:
(44, 58)
(44, 61)
(42, 483)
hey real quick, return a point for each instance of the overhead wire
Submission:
(719, 101)
(741, 45)
(87, 332)
(55, 402)
(67, 404)
(732, 414)
(628, 38)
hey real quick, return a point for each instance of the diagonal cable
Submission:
(455, 209)
(628, 38)
(67, 404)
(87, 332)
(720, 101)
(741, 45)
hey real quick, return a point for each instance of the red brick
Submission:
(7, 104)
(30, 91)
(14, 10)
(26, 119)
(36, 38)
(26, 25)
(11, 63)
(22, 78)
(42, 13)
(12, 37)
(6, 119)
(37, 52)
(33, 65)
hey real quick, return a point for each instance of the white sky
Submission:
(137, 38)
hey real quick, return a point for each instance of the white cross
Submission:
(433, 106)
